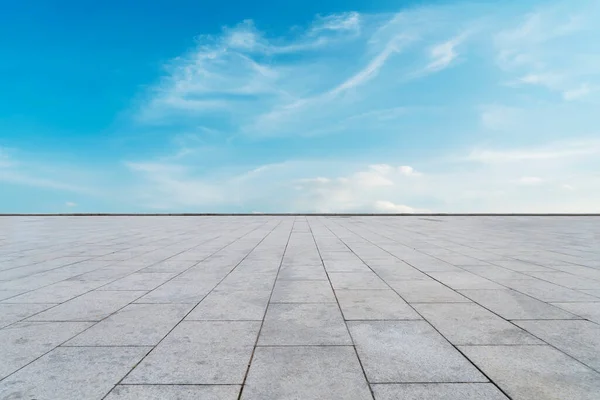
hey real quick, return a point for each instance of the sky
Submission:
(301, 106)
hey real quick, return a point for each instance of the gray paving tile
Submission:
(55, 293)
(350, 264)
(437, 391)
(23, 342)
(302, 292)
(469, 323)
(495, 273)
(174, 392)
(179, 291)
(139, 281)
(356, 280)
(248, 281)
(514, 305)
(579, 339)
(464, 280)
(232, 305)
(302, 273)
(199, 352)
(10, 313)
(589, 311)
(374, 304)
(409, 351)
(331, 372)
(567, 280)
(174, 266)
(134, 325)
(422, 291)
(72, 373)
(521, 266)
(546, 291)
(304, 324)
(535, 372)
(7, 294)
(92, 306)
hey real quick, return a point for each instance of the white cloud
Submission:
(577, 93)
(443, 54)
(552, 151)
(389, 207)
(530, 180)
(70, 204)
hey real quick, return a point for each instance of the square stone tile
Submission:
(422, 291)
(92, 306)
(514, 305)
(304, 324)
(199, 352)
(174, 392)
(374, 304)
(23, 342)
(437, 391)
(72, 373)
(469, 323)
(11, 313)
(356, 280)
(409, 351)
(580, 339)
(330, 372)
(535, 372)
(232, 305)
(302, 292)
(134, 325)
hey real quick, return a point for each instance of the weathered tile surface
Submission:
(306, 373)
(409, 351)
(535, 372)
(305, 307)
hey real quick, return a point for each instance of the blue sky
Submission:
(329, 106)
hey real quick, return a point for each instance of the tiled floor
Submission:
(284, 307)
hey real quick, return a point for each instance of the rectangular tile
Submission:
(139, 281)
(429, 291)
(304, 324)
(308, 373)
(23, 342)
(11, 313)
(409, 351)
(302, 292)
(92, 306)
(174, 392)
(580, 339)
(374, 304)
(232, 305)
(514, 305)
(535, 372)
(356, 280)
(469, 323)
(134, 325)
(72, 373)
(199, 352)
(437, 391)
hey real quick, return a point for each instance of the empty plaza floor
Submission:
(300, 307)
